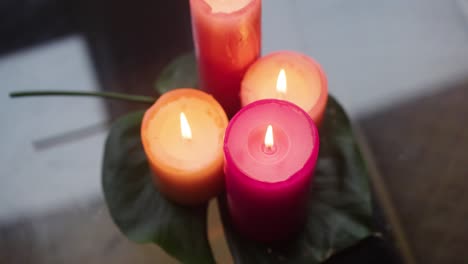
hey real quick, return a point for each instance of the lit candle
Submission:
(289, 76)
(182, 135)
(271, 148)
(227, 39)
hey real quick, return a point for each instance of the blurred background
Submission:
(399, 67)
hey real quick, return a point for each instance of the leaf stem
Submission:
(107, 95)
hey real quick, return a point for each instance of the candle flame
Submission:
(281, 83)
(185, 129)
(269, 139)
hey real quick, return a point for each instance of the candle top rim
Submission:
(172, 97)
(293, 177)
(226, 6)
(207, 8)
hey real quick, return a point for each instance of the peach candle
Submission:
(182, 135)
(289, 76)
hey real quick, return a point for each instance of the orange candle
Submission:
(182, 135)
(289, 76)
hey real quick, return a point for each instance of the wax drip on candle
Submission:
(281, 84)
(269, 146)
(185, 130)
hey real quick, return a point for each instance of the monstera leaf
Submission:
(136, 206)
(180, 73)
(339, 212)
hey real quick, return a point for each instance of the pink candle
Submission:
(226, 34)
(271, 148)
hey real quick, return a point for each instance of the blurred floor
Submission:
(40, 168)
(79, 234)
(375, 53)
(420, 145)
(399, 67)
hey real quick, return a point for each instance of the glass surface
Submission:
(400, 68)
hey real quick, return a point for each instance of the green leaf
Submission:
(180, 73)
(339, 212)
(136, 206)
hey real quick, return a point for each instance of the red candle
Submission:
(226, 35)
(289, 76)
(271, 148)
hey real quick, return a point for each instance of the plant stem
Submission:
(107, 95)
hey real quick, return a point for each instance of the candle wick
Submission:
(281, 95)
(269, 150)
